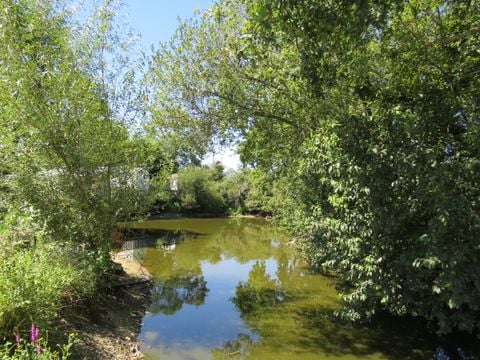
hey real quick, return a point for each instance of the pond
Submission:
(234, 289)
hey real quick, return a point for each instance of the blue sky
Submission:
(156, 20)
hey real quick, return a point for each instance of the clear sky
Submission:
(156, 21)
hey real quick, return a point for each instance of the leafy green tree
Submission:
(248, 191)
(198, 190)
(207, 88)
(66, 151)
(394, 210)
(69, 165)
(366, 114)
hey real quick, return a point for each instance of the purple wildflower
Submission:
(34, 333)
(38, 349)
(17, 338)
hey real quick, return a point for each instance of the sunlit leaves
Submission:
(66, 144)
(366, 114)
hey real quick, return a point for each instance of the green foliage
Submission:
(198, 191)
(39, 349)
(164, 156)
(236, 189)
(40, 279)
(35, 282)
(365, 115)
(393, 209)
(247, 191)
(70, 168)
(210, 190)
(64, 144)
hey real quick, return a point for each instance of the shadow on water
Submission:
(264, 301)
(329, 336)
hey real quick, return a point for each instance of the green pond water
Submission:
(234, 289)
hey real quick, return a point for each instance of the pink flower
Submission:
(38, 349)
(17, 338)
(34, 333)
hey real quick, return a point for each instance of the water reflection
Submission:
(168, 296)
(233, 290)
(234, 349)
(135, 249)
(259, 293)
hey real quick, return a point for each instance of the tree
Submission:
(198, 190)
(366, 113)
(62, 142)
(395, 209)
(209, 87)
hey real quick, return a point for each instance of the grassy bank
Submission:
(41, 281)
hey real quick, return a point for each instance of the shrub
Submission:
(247, 192)
(36, 281)
(198, 190)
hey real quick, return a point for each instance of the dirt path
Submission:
(108, 329)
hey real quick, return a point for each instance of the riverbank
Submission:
(108, 330)
(167, 216)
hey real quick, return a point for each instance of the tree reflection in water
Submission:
(169, 295)
(287, 312)
(259, 293)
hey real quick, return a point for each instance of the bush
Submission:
(198, 190)
(37, 280)
(247, 192)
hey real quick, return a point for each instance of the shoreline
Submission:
(167, 216)
(109, 328)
